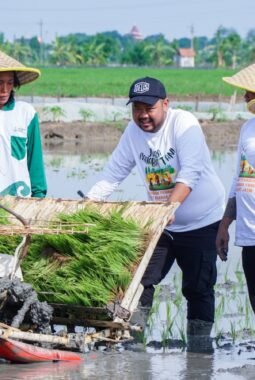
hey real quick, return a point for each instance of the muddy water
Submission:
(73, 167)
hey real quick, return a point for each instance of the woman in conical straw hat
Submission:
(241, 202)
(21, 160)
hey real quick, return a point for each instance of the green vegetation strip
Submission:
(115, 82)
(84, 269)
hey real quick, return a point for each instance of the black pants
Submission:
(195, 253)
(248, 259)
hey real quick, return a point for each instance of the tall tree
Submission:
(161, 53)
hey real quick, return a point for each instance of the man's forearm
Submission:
(179, 193)
(230, 213)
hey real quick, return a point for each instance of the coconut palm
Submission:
(64, 53)
(161, 52)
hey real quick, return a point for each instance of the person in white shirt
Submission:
(169, 149)
(21, 159)
(241, 202)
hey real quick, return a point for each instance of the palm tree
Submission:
(94, 53)
(161, 52)
(224, 48)
(234, 41)
(21, 52)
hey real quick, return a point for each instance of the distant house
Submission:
(186, 57)
(135, 33)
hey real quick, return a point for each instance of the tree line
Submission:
(225, 49)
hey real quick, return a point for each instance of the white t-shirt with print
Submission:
(176, 153)
(243, 186)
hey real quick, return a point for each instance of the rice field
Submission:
(115, 81)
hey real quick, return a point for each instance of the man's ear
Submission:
(165, 103)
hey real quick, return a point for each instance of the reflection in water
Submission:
(198, 364)
(42, 371)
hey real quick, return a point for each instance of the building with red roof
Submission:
(186, 57)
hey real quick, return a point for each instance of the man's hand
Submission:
(171, 220)
(222, 240)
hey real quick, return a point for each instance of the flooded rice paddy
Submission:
(163, 356)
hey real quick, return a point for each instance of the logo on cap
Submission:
(141, 87)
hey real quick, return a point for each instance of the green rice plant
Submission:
(220, 308)
(235, 290)
(169, 318)
(154, 311)
(55, 162)
(178, 291)
(233, 331)
(182, 333)
(86, 114)
(117, 115)
(217, 114)
(164, 335)
(115, 81)
(248, 312)
(226, 277)
(240, 278)
(55, 111)
(240, 305)
(87, 269)
(8, 244)
(156, 300)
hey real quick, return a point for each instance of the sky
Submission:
(172, 18)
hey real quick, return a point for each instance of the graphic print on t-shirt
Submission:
(160, 179)
(246, 180)
(159, 173)
(246, 170)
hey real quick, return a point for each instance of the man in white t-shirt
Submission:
(241, 202)
(169, 149)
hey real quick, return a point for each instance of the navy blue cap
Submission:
(147, 90)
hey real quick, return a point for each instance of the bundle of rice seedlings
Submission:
(85, 269)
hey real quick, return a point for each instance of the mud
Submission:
(78, 131)
(77, 134)
(19, 304)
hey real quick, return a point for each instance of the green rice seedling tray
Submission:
(41, 214)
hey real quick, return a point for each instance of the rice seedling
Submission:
(226, 276)
(156, 300)
(182, 333)
(240, 278)
(233, 331)
(169, 318)
(220, 308)
(86, 269)
(240, 305)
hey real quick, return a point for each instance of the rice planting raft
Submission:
(87, 269)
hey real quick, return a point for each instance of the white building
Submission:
(186, 57)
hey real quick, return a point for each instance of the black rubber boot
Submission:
(140, 318)
(198, 336)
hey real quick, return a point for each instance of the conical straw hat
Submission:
(244, 79)
(24, 74)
